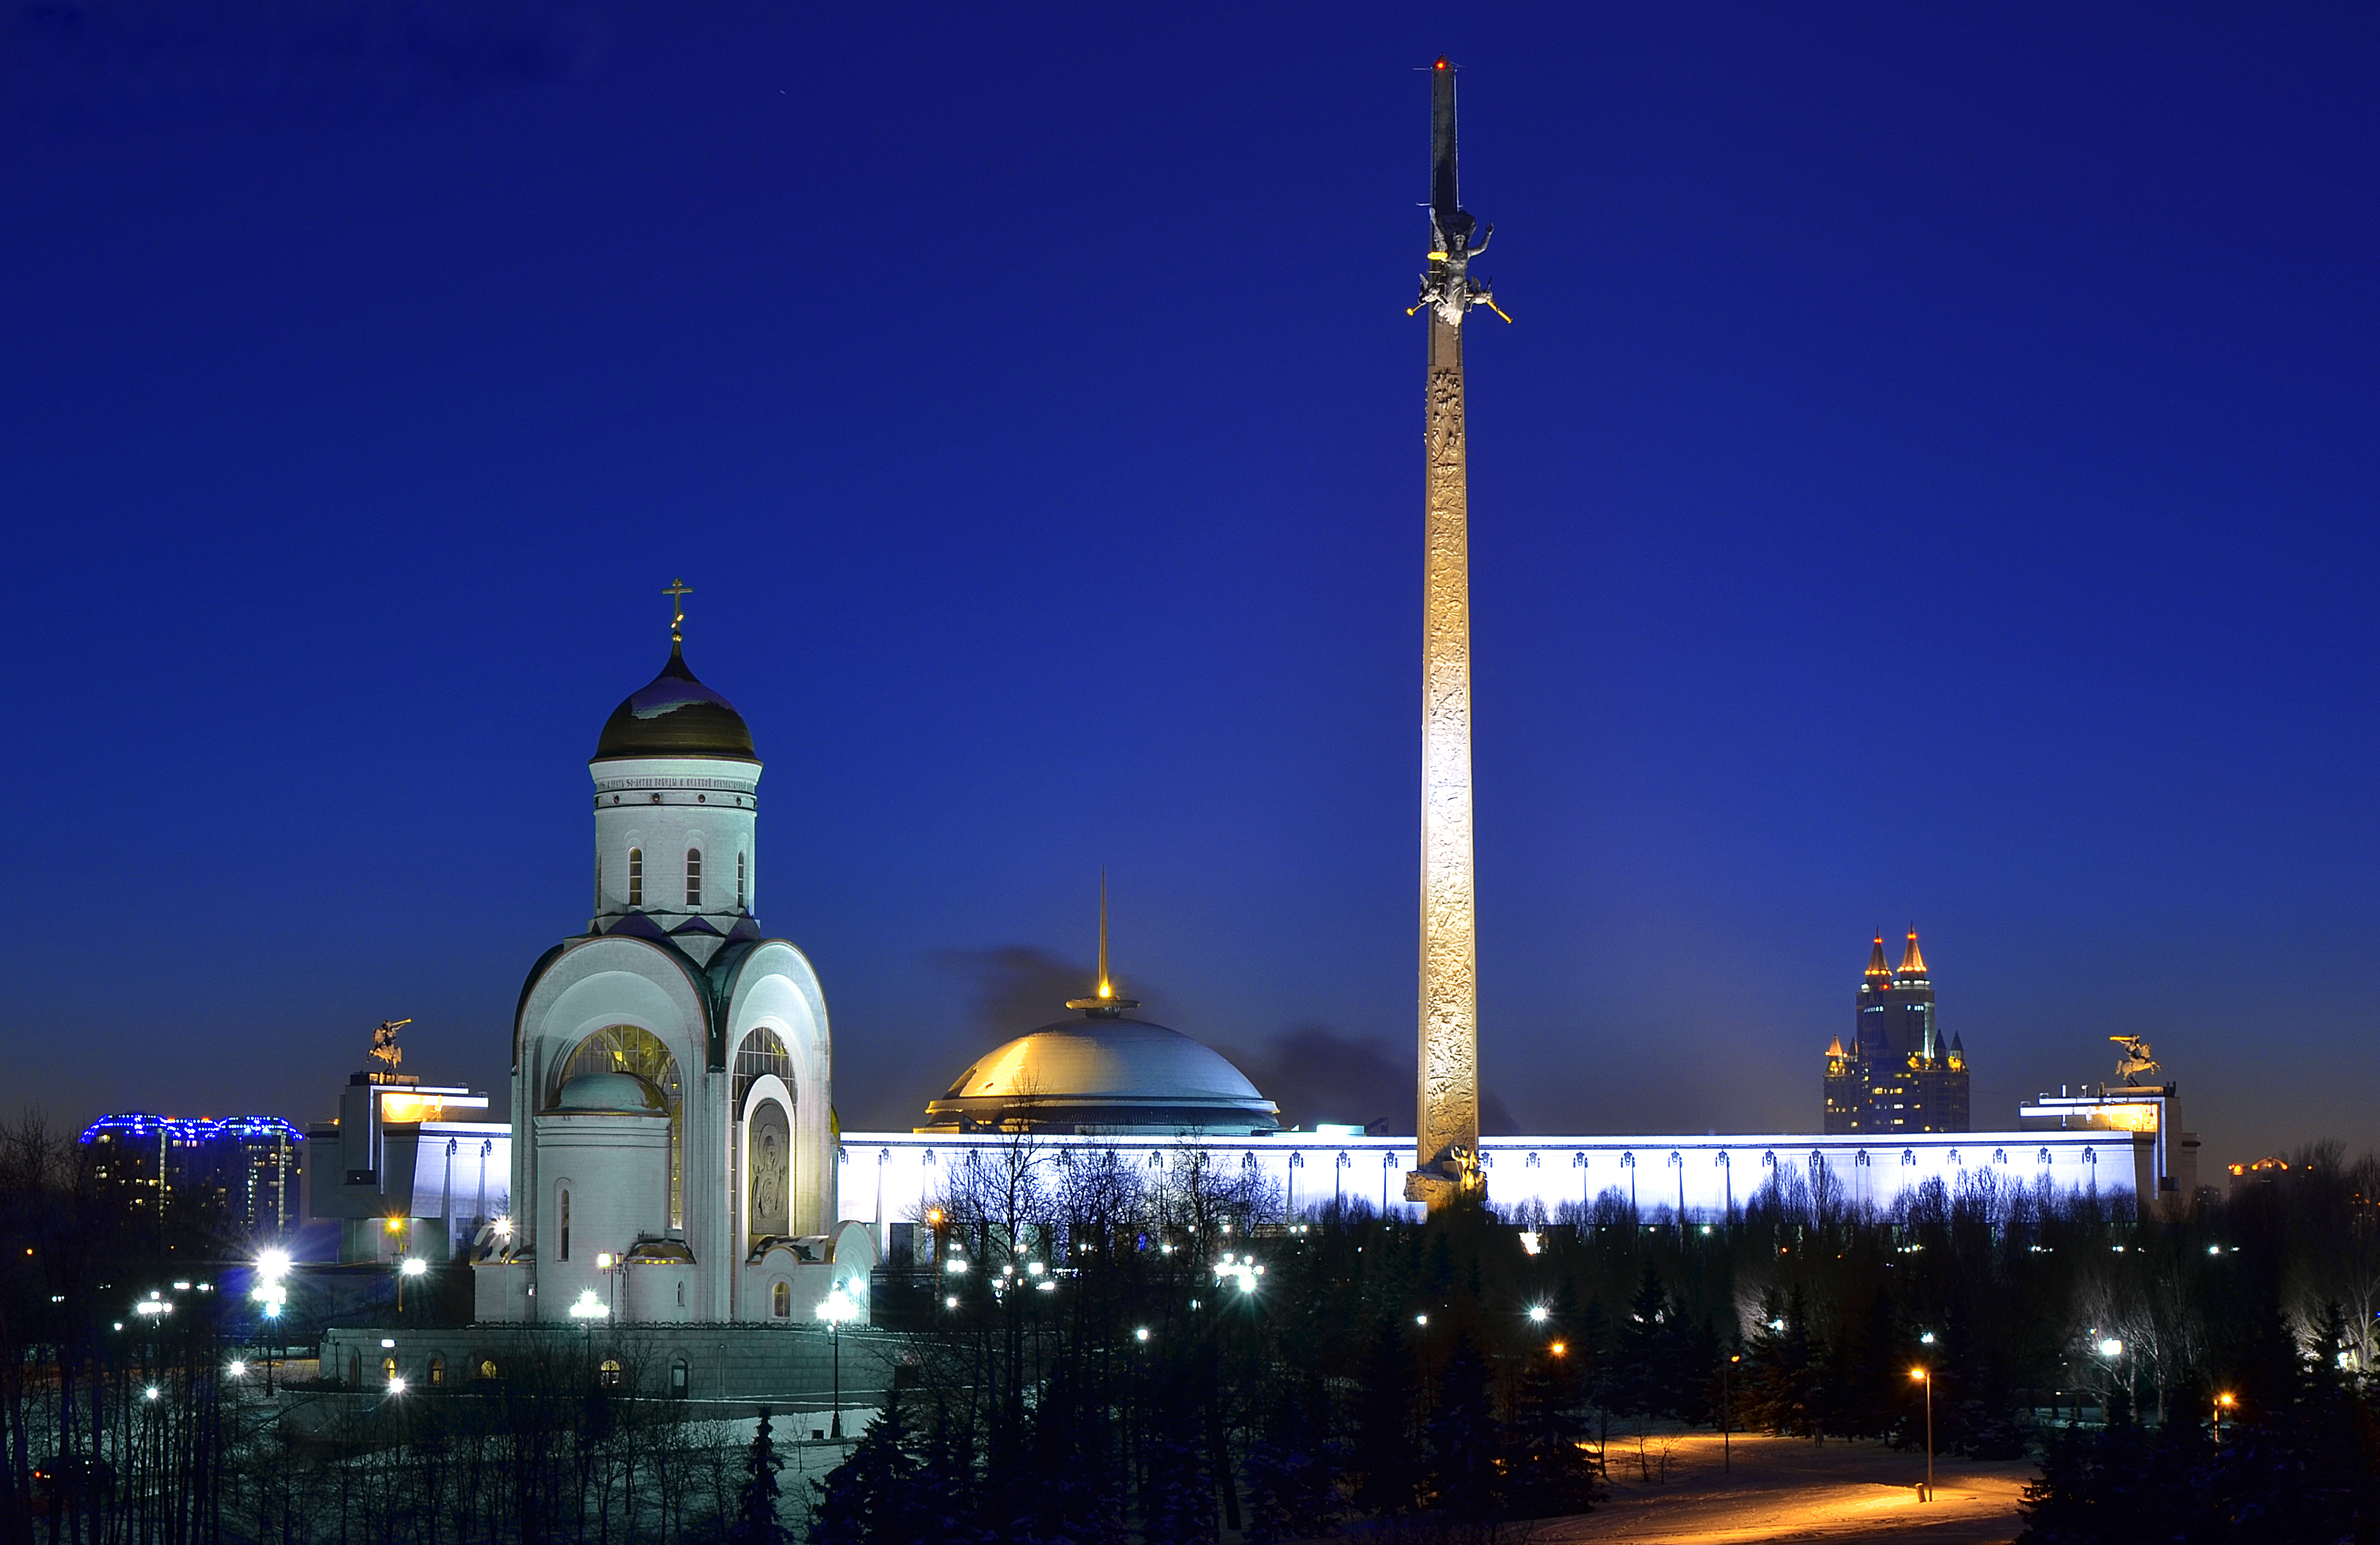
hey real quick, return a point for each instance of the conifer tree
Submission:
(1463, 1444)
(865, 1500)
(1382, 1458)
(1550, 1472)
(755, 1505)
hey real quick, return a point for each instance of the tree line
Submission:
(1094, 1349)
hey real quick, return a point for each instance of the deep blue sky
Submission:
(1931, 478)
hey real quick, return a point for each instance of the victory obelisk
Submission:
(1447, 1142)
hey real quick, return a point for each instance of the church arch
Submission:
(768, 1162)
(780, 1299)
(777, 1015)
(762, 1053)
(628, 1048)
(741, 873)
(636, 877)
(694, 879)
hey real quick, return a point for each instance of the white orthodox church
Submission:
(672, 1116)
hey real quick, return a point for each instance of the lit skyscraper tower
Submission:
(1896, 1076)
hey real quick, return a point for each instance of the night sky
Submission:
(1930, 479)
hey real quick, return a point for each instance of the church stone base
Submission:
(791, 1368)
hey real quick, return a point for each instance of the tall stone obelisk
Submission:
(1447, 1142)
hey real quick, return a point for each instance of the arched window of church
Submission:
(565, 1210)
(780, 1300)
(636, 877)
(388, 1371)
(634, 1049)
(739, 882)
(609, 1374)
(762, 1051)
(693, 878)
(679, 1382)
(437, 1371)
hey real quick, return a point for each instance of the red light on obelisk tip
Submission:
(1441, 63)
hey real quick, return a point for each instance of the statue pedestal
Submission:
(1455, 1176)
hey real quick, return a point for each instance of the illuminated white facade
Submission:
(672, 1088)
(889, 1177)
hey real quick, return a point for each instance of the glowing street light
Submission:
(835, 1308)
(148, 1393)
(591, 1306)
(411, 1266)
(397, 1383)
(237, 1369)
(1925, 1377)
(2223, 1403)
(1539, 1314)
(2111, 1347)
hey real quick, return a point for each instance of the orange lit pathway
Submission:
(1787, 1489)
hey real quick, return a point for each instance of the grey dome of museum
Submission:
(1104, 1072)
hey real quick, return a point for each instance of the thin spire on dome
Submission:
(1876, 966)
(677, 590)
(1912, 962)
(1106, 1003)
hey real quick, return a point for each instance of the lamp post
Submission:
(2223, 1403)
(835, 1308)
(1925, 1377)
(2111, 1350)
(272, 1291)
(411, 1266)
(1727, 1413)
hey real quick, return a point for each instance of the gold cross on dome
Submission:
(677, 590)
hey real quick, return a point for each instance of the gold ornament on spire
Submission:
(1106, 1004)
(677, 590)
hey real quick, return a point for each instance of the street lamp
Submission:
(2223, 1403)
(1727, 1413)
(835, 1308)
(411, 1266)
(1925, 1377)
(272, 1290)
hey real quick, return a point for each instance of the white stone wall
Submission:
(889, 1176)
(594, 984)
(616, 1167)
(663, 806)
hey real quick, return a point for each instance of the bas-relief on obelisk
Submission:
(1447, 1142)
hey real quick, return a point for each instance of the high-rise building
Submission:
(239, 1174)
(1896, 1076)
